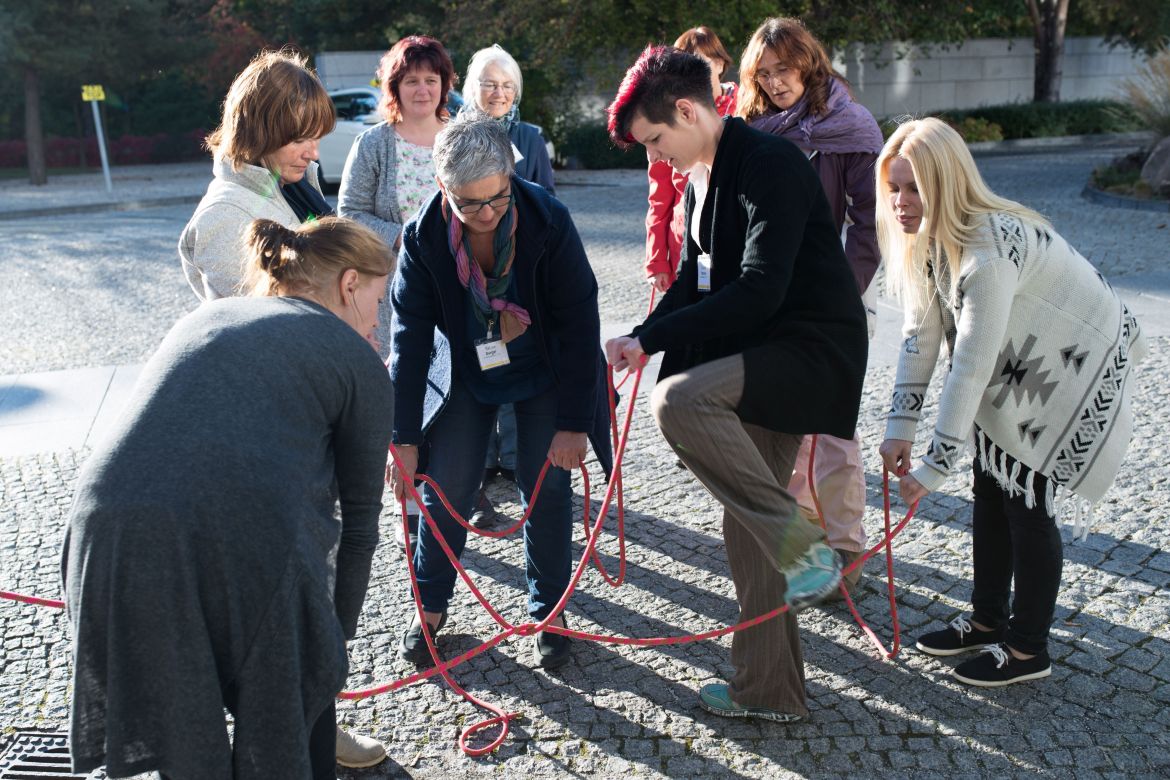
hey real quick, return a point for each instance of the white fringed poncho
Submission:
(1041, 353)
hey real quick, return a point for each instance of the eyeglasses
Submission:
(764, 77)
(508, 88)
(473, 206)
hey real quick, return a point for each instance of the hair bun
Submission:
(266, 241)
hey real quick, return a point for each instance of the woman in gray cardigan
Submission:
(203, 566)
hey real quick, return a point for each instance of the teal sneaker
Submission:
(813, 577)
(716, 698)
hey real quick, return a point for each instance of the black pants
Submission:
(323, 745)
(1012, 540)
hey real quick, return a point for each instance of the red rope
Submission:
(37, 600)
(592, 533)
(869, 632)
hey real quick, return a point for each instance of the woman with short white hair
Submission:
(493, 269)
(494, 85)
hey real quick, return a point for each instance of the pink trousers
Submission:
(840, 481)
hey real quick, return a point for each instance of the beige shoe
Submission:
(356, 751)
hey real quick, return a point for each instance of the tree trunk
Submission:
(34, 136)
(1049, 18)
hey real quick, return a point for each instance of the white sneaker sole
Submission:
(1001, 683)
(775, 716)
(948, 653)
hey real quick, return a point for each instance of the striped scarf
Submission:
(487, 293)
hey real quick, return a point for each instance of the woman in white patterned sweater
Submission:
(1040, 351)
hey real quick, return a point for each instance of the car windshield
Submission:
(355, 106)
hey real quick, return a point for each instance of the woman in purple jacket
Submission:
(788, 88)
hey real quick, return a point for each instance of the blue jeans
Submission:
(501, 451)
(458, 441)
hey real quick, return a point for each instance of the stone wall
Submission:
(899, 78)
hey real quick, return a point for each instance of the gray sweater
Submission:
(196, 562)
(211, 246)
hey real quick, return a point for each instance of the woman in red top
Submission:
(664, 217)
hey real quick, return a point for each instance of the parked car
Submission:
(357, 109)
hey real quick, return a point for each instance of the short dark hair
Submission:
(414, 51)
(661, 76)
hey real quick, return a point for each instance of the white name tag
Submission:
(492, 353)
(516, 156)
(704, 272)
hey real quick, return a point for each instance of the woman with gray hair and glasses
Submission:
(494, 85)
(494, 302)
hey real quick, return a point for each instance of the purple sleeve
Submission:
(861, 247)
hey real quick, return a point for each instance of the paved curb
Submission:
(92, 208)
(1059, 143)
(1091, 193)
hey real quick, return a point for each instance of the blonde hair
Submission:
(274, 101)
(311, 257)
(955, 202)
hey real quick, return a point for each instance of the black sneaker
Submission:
(413, 645)
(959, 637)
(508, 475)
(996, 667)
(549, 650)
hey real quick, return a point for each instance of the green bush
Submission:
(589, 147)
(1045, 120)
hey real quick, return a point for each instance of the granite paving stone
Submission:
(93, 290)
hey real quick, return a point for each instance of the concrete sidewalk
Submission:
(56, 410)
(134, 187)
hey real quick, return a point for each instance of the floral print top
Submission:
(414, 176)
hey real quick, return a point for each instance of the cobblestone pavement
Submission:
(616, 712)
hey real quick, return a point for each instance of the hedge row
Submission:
(588, 146)
(126, 150)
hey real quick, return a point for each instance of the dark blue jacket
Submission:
(535, 167)
(554, 282)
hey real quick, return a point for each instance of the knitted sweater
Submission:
(1040, 350)
(211, 246)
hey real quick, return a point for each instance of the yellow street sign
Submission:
(92, 92)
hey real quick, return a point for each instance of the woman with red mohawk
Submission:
(765, 340)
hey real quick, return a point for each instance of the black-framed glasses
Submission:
(473, 206)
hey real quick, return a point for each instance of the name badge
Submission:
(516, 156)
(492, 353)
(704, 272)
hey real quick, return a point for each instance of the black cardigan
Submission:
(781, 291)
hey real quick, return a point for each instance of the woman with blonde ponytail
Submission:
(1041, 350)
(203, 566)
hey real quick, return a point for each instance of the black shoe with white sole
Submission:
(959, 637)
(996, 667)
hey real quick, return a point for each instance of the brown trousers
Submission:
(745, 467)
